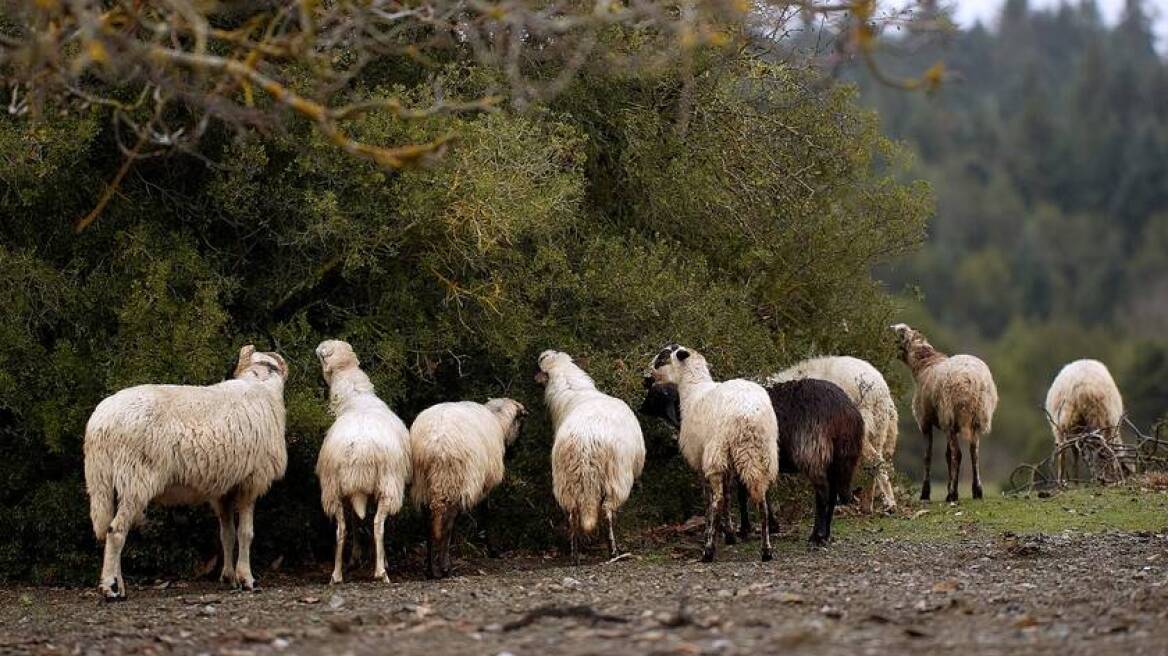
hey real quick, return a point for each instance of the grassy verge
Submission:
(1086, 510)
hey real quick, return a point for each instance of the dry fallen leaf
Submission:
(947, 585)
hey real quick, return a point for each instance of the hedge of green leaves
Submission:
(599, 225)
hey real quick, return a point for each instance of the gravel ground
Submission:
(1065, 594)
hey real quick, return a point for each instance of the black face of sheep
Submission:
(662, 401)
(663, 356)
(820, 436)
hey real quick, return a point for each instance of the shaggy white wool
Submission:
(729, 427)
(599, 450)
(1082, 398)
(366, 453)
(953, 393)
(457, 450)
(221, 444)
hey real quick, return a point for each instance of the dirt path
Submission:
(994, 595)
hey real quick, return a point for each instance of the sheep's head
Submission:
(909, 342)
(673, 361)
(662, 401)
(335, 355)
(547, 360)
(259, 365)
(511, 415)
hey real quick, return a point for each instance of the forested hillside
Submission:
(1048, 149)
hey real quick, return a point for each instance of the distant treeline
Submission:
(1048, 150)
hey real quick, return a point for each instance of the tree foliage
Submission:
(742, 217)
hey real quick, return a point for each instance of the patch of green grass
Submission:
(1084, 510)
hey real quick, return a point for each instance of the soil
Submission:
(1000, 594)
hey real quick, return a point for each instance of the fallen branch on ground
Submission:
(583, 612)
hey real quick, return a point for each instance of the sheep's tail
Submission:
(578, 475)
(588, 517)
(754, 457)
(99, 483)
(360, 501)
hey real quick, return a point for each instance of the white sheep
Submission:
(953, 393)
(867, 388)
(457, 452)
(365, 454)
(179, 444)
(730, 430)
(598, 451)
(1083, 398)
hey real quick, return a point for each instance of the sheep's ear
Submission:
(280, 362)
(541, 377)
(647, 382)
(682, 355)
(244, 359)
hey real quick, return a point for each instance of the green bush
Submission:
(598, 225)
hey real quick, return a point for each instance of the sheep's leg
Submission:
(886, 490)
(953, 454)
(764, 513)
(434, 555)
(829, 515)
(714, 485)
(926, 487)
(226, 514)
(113, 585)
(574, 537)
(483, 518)
(379, 573)
(819, 533)
(610, 520)
(1060, 456)
(975, 463)
(447, 534)
(430, 539)
(245, 533)
(744, 529)
(727, 521)
(339, 557)
(356, 548)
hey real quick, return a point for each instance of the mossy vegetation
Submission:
(1081, 510)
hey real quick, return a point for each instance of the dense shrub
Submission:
(602, 225)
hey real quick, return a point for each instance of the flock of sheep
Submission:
(224, 444)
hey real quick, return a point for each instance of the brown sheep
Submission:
(953, 393)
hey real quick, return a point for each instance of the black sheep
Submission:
(820, 436)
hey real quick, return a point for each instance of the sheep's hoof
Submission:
(743, 535)
(383, 577)
(731, 538)
(708, 555)
(113, 591)
(767, 555)
(816, 542)
(925, 492)
(247, 584)
(227, 576)
(951, 497)
(977, 493)
(336, 579)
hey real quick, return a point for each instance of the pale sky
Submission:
(969, 11)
